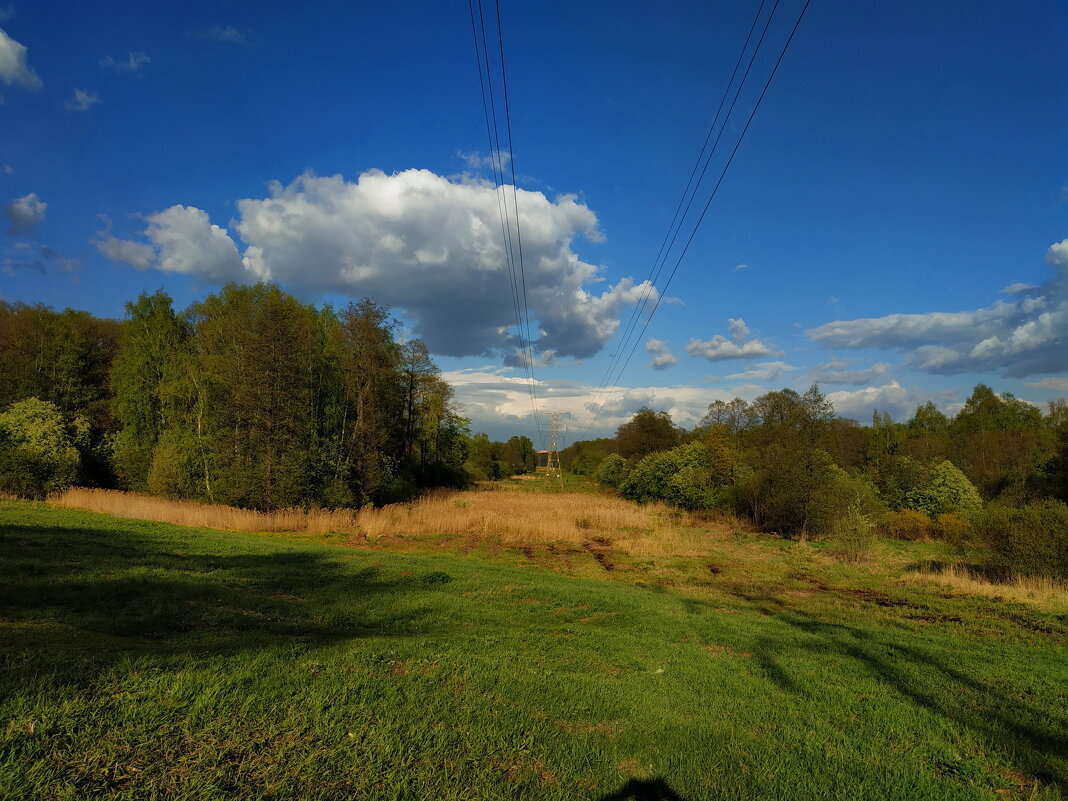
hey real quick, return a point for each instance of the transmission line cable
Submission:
(665, 248)
(496, 164)
(708, 203)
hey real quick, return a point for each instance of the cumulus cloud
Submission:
(227, 34)
(13, 66)
(740, 345)
(663, 358)
(24, 213)
(414, 240)
(764, 371)
(83, 101)
(1060, 384)
(892, 398)
(132, 63)
(499, 402)
(838, 371)
(1019, 338)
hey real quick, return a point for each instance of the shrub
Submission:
(37, 453)
(853, 533)
(953, 528)
(682, 476)
(612, 470)
(948, 490)
(906, 524)
(1031, 539)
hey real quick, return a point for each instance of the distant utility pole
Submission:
(557, 429)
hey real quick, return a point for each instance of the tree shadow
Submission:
(78, 595)
(1034, 737)
(644, 790)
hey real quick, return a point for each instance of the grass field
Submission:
(668, 658)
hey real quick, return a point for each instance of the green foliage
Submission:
(1030, 539)
(647, 432)
(612, 470)
(683, 476)
(946, 490)
(37, 449)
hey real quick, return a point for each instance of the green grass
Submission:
(142, 660)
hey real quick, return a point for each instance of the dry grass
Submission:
(517, 519)
(1038, 591)
(204, 515)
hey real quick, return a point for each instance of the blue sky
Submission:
(907, 167)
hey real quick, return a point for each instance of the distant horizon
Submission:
(894, 225)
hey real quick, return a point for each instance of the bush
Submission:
(682, 476)
(612, 470)
(906, 524)
(953, 528)
(1031, 539)
(853, 533)
(37, 453)
(948, 490)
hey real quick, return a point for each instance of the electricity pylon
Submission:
(557, 429)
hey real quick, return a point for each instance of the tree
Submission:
(645, 433)
(147, 361)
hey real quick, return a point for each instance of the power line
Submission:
(665, 247)
(708, 203)
(489, 109)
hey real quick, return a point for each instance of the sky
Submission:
(894, 224)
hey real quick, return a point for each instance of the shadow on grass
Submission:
(1035, 738)
(644, 790)
(92, 594)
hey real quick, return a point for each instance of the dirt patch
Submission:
(597, 548)
(881, 599)
(632, 767)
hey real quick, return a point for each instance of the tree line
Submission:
(994, 475)
(248, 397)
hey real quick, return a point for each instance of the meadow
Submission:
(528, 641)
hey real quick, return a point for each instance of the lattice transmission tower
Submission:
(557, 430)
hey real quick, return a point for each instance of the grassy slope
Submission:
(143, 660)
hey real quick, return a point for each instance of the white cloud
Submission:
(663, 358)
(495, 400)
(83, 100)
(417, 241)
(136, 254)
(741, 267)
(1060, 384)
(764, 371)
(892, 398)
(225, 33)
(1020, 337)
(6, 13)
(133, 63)
(24, 213)
(13, 66)
(477, 161)
(1018, 288)
(8, 169)
(837, 371)
(739, 346)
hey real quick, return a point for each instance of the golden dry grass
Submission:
(1035, 590)
(509, 518)
(204, 515)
